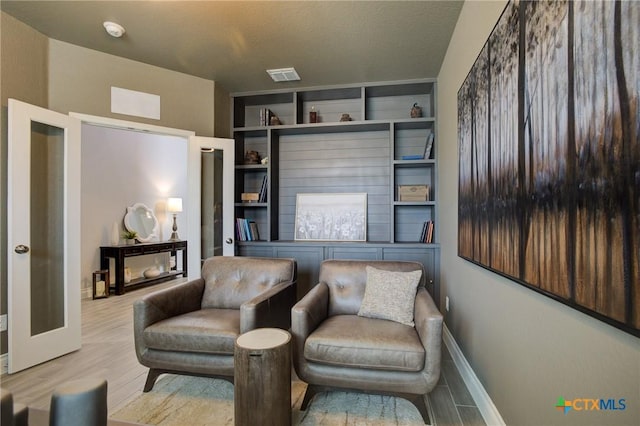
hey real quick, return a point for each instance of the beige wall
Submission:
(526, 349)
(223, 113)
(80, 80)
(65, 77)
(23, 75)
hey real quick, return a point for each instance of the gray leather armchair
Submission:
(191, 328)
(336, 348)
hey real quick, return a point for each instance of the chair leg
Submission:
(154, 373)
(151, 379)
(311, 391)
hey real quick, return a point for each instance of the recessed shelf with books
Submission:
(255, 179)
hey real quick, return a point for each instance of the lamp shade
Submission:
(174, 205)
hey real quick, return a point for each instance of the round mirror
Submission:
(141, 219)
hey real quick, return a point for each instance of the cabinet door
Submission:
(308, 260)
(354, 253)
(255, 251)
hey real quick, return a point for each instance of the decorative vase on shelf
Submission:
(115, 234)
(127, 275)
(151, 272)
(416, 111)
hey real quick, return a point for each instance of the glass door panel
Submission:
(212, 161)
(47, 228)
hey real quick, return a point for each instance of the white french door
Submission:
(43, 235)
(199, 218)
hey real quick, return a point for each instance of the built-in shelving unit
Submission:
(363, 154)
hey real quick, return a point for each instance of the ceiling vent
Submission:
(283, 74)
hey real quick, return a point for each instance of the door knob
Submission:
(229, 241)
(21, 249)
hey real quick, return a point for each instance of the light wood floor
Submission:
(107, 352)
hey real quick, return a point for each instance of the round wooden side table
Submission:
(262, 382)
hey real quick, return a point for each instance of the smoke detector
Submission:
(283, 74)
(114, 30)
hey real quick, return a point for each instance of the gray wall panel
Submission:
(337, 163)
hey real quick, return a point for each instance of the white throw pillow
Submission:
(390, 295)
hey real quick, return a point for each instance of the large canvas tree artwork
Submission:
(549, 154)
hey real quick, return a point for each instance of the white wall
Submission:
(121, 168)
(526, 349)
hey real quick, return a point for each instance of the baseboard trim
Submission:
(87, 293)
(487, 409)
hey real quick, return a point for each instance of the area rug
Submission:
(196, 401)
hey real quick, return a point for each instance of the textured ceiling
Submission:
(234, 42)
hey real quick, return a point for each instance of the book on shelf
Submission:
(426, 154)
(246, 230)
(265, 116)
(426, 236)
(262, 198)
(429, 146)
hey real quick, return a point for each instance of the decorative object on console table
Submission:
(100, 284)
(143, 221)
(174, 205)
(151, 272)
(115, 234)
(130, 237)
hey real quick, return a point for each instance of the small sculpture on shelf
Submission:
(251, 157)
(345, 117)
(416, 111)
(274, 121)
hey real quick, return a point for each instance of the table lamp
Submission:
(174, 205)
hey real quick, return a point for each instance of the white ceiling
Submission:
(234, 42)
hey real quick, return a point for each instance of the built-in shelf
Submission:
(363, 154)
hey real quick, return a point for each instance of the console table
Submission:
(119, 253)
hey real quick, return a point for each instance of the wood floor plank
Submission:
(459, 391)
(444, 410)
(107, 352)
(470, 416)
